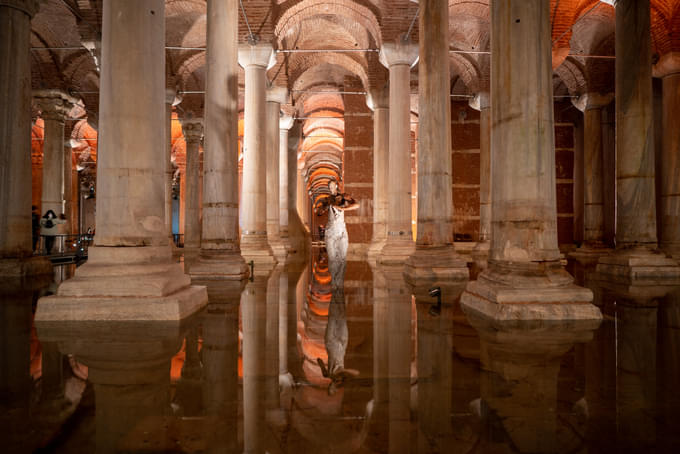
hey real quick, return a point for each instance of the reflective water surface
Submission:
(291, 363)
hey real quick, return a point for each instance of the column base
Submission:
(396, 251)
(590, 251)
(480, 255)
(672, 250)
(538, 292)
(25, 267)
(255, 248)
(124, 284)
(374, 250)
(215, 264)
(278, 249)
(436, 263)
(639, 265)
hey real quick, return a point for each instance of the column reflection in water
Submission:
(668, 372)
(519, 383)
(129, 366)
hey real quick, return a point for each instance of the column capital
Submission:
(262, 55)
(277, 94)
(30, 7)
(54, 104)
(172, 96)
(286, 122)
(399, 53)
(480, 101)
(192, 128)
(592, 100)
(668, 64)
(377, 98)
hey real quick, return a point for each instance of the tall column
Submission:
(54, 107)
(434, 256)
(254, 245)
(398, 57)
(275, 97)
(130, 274)
(591, 104)
(193, 132)
(379, 102)
(285, 123)
(15, 141)
(525, 278)
(170, 96)
(668, 68)
(220, 255)
(636, 258)
(482, 103)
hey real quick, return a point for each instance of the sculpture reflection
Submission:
(336, 336)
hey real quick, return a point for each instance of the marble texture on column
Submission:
(591, 104)
(398, 57)
(285, 123)
(54, 106)
(130, 274)
(482, 103)
(524, 278)
(379, 102)
(220, 255)
(170, 96)
(636, 259)
(193, 132)
(15, 141)
(668, 68)
(434, 256)
(275, 97)
(254, 245)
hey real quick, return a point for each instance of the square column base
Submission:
(255, 248)
(503, 303)
(590, 252)
(396, 251)
(25, 267)
(440, 263)
(210, 264)
(373, 253)
(639, 266)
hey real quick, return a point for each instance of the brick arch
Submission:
(465, 67)
(304, 63)
(572, 74)
(308, 9)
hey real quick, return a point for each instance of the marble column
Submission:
(220, 255)
(591, 104)
(379, 102)
(285, 123)
(482, 103)
(54, 108)
(434, 256)
(524, 278)
(170, 96)
(15, 141)
(275, 97)
(130, 273)
(254, 245)
(636, 259)
(398, 57)
(668, 68)
(193, 132)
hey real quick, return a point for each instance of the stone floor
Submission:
(246, 375)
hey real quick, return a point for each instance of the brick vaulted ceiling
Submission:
(72, 29)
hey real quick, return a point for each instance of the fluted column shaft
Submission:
(379, 102)
(254, 59)
(193, 131)
(15, 127)
(398, 58)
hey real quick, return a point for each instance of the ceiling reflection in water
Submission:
(298, 362)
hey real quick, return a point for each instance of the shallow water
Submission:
(245, 374)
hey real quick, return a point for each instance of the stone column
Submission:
(130, 274)
(524, 261)
(285, 123)
(275, 97)
(15, 141)
(398, 57)
(170, 95)
(220, 255)
(482, 103)
(435, 256)
(193, 132)
(379, 102)
(54, 108)
(668, 68)
(636, 258)
(255, 247)
(591, 104)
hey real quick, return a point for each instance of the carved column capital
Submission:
(54, 104)
(592, 100)
(192, 129)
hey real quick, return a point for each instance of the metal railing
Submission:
(64, 246)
